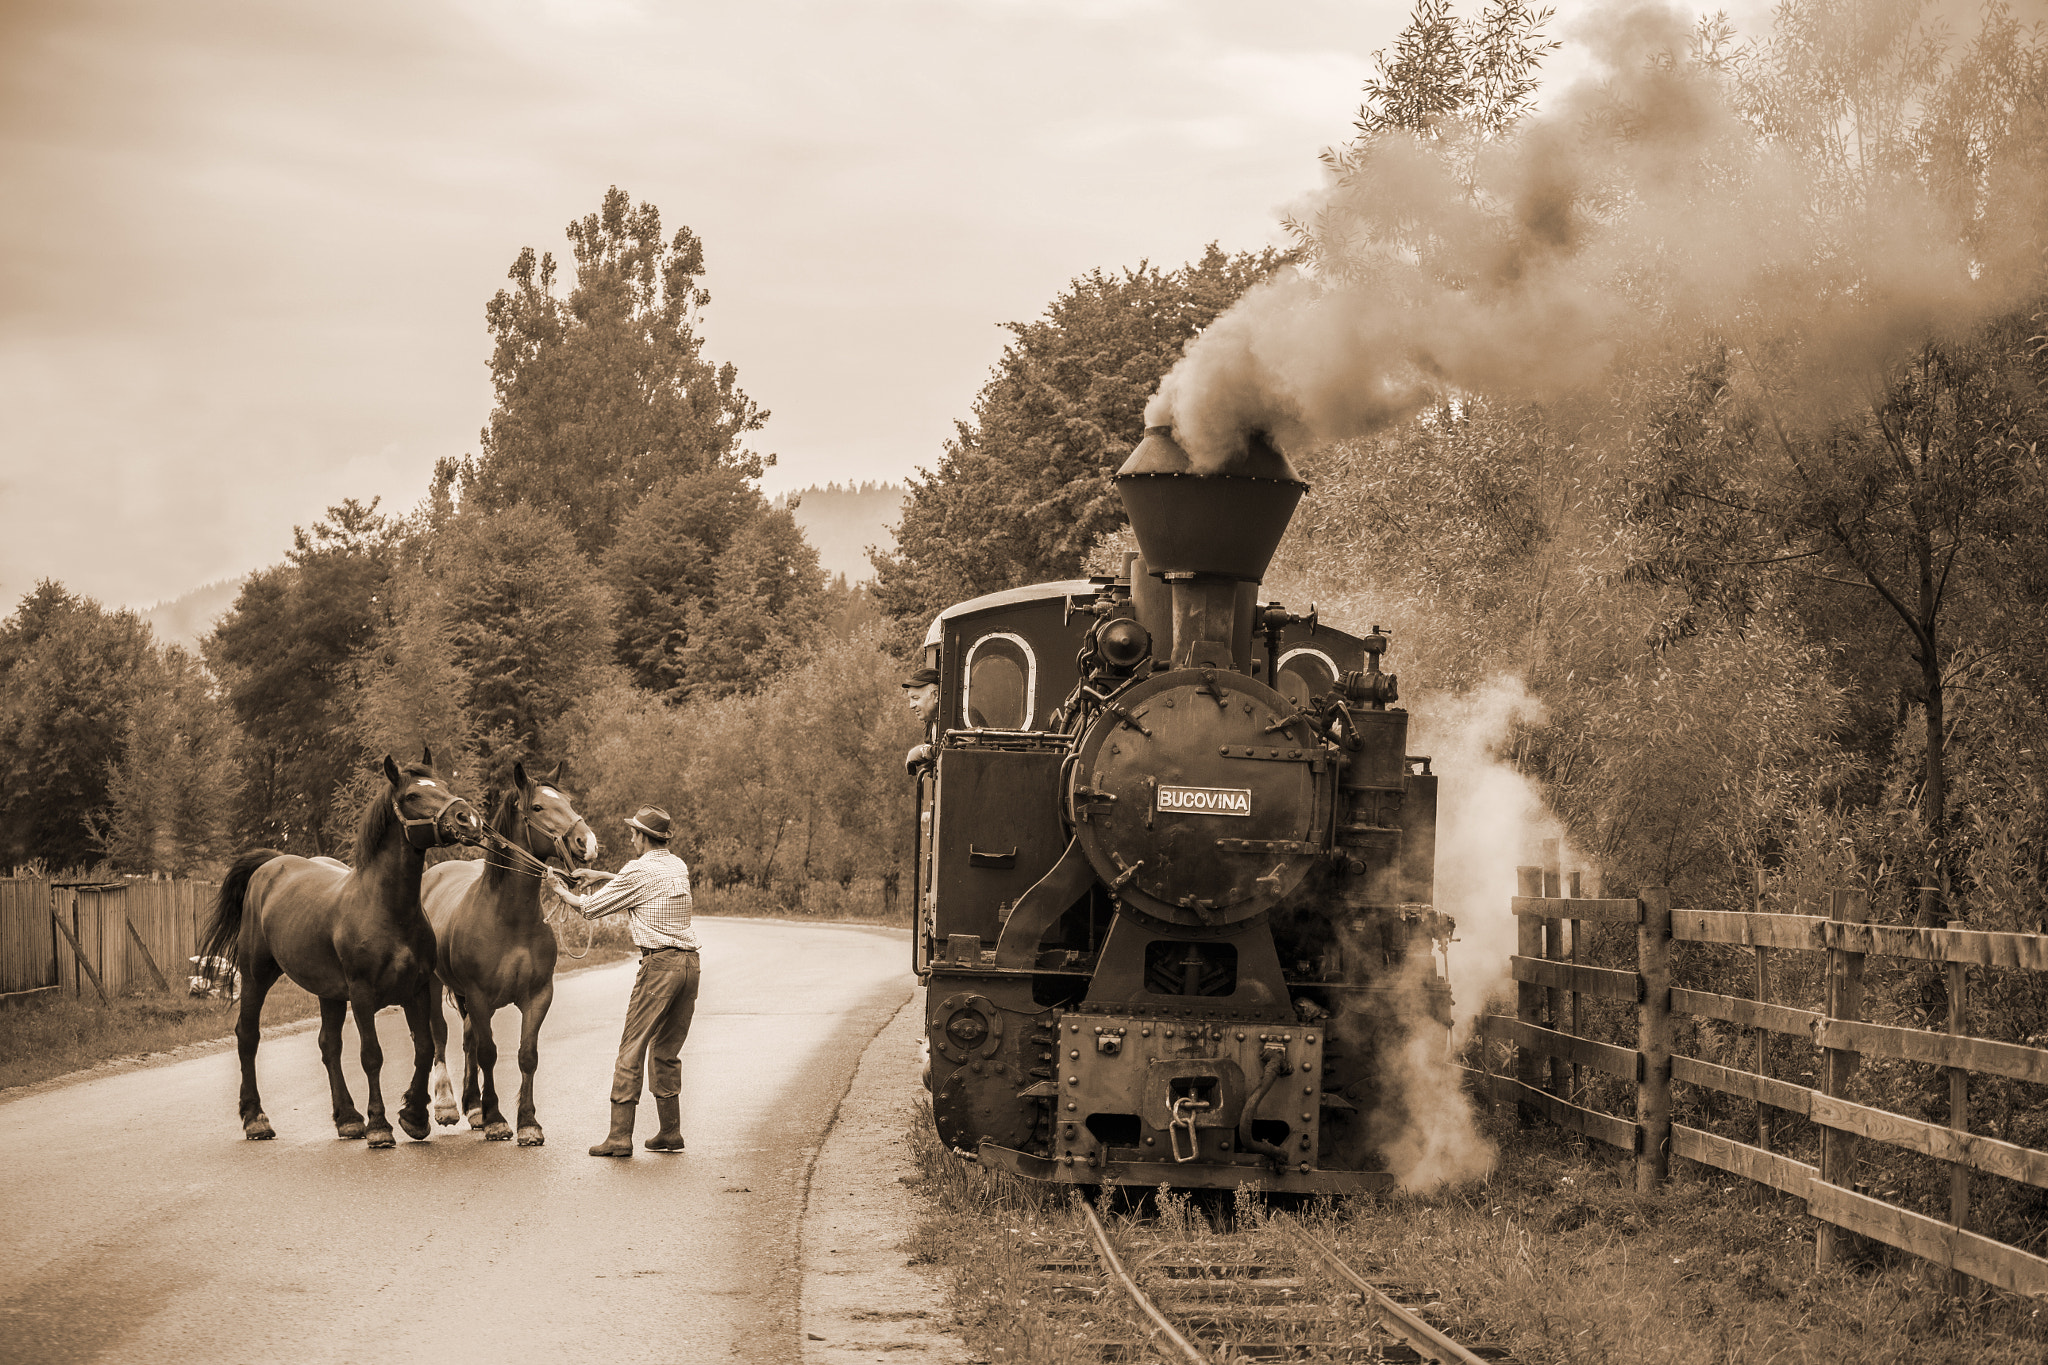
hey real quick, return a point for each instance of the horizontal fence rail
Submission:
(99, 939)
(1551, 979)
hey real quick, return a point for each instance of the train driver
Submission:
(921, 691)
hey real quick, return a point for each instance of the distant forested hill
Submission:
(182, 620)
(842, 520)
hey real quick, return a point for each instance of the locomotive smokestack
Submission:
(1206, 533)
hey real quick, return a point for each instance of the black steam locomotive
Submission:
(1174, 896)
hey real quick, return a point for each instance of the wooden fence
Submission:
(99, 939)
(1550, 1055)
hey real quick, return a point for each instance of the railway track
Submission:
(1277, 1294)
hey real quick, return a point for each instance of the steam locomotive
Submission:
(1174, 896)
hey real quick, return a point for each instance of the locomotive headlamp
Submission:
(1123, 643)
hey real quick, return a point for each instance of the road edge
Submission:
(860, 1297)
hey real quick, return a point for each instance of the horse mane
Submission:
(379, 816)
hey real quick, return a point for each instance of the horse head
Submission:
(548, 824)
(428, 809)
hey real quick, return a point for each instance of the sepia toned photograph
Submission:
(1024, 682)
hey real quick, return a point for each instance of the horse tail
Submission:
(224, 935)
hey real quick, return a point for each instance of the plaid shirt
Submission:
(654, 891)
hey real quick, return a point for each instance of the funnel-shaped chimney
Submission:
(1223, 525)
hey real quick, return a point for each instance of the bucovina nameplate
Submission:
(1205, 800)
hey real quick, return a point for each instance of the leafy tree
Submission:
(1481, 71)
(605, 393)
(1023, 490)
(71, 673)
(172, 791)
(527, 620)
(715, 590)
(290, 657)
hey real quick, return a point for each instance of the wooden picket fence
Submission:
(1549, 1052)
(101, 939)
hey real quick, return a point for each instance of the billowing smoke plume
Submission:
(1639, 210)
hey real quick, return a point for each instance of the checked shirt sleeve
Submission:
(622, 892)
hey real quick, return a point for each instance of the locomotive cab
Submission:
(1176, 865)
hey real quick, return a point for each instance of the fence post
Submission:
(1574, 888)
(1764, 1117)
(1528, 998)
(1958, 1108)
(143, 948)
(79, 952)
(1653, 1039)
(1844, 1001)
(1553, 951)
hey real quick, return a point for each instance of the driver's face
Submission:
(924, 701)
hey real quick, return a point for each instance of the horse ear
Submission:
(555, 777)
(427, 755)
(391, 771)
(519, 775)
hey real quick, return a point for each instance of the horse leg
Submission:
(472, 1098)
(365, 1006)
(445, 1112)
(495, 1127)
(347, 1122)
(412, 1115)
(531, 1017)
(257, 979)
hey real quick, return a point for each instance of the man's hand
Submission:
(591, 874)
(919, 757)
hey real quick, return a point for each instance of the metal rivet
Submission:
(1070, 1104)
(1074, 1052)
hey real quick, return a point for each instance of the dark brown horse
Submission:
(493, 948)
(354, 937)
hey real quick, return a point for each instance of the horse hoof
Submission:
(532, 1137)
(381, 1137)
(476, 1118)
(258, 1129)
(350, 1130)
(446, 1114)
(415, 1125)
(500, 1131)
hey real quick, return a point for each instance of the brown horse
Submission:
(355, 938)
(493, 948)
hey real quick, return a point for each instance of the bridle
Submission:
(444, 829)
(522, 859)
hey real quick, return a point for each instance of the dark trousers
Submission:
(657, 1020)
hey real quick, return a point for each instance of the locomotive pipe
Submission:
(1274, 1067)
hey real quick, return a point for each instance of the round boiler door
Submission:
(1201, 789)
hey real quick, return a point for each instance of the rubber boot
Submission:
(620, 1140)
(669, 1108)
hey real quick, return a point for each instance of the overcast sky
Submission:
(245, 247)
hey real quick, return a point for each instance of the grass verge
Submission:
(1554, 1257)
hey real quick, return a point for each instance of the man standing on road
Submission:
(654, 891)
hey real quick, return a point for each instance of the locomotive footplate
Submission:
(1139, 1098)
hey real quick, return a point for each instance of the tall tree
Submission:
(290, 656)
(528, 620)
(1022, 491)
(172, 790)
(603, 394)
(70, 674)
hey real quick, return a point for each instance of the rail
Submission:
(1425, 1340)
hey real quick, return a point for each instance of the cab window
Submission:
(1001, 681)
(1305, 673)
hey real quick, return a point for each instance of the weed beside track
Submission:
(1553, 1258)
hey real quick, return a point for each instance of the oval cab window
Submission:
(1001, 681)
(1305, 673)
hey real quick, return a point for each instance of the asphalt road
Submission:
(136, 1224)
